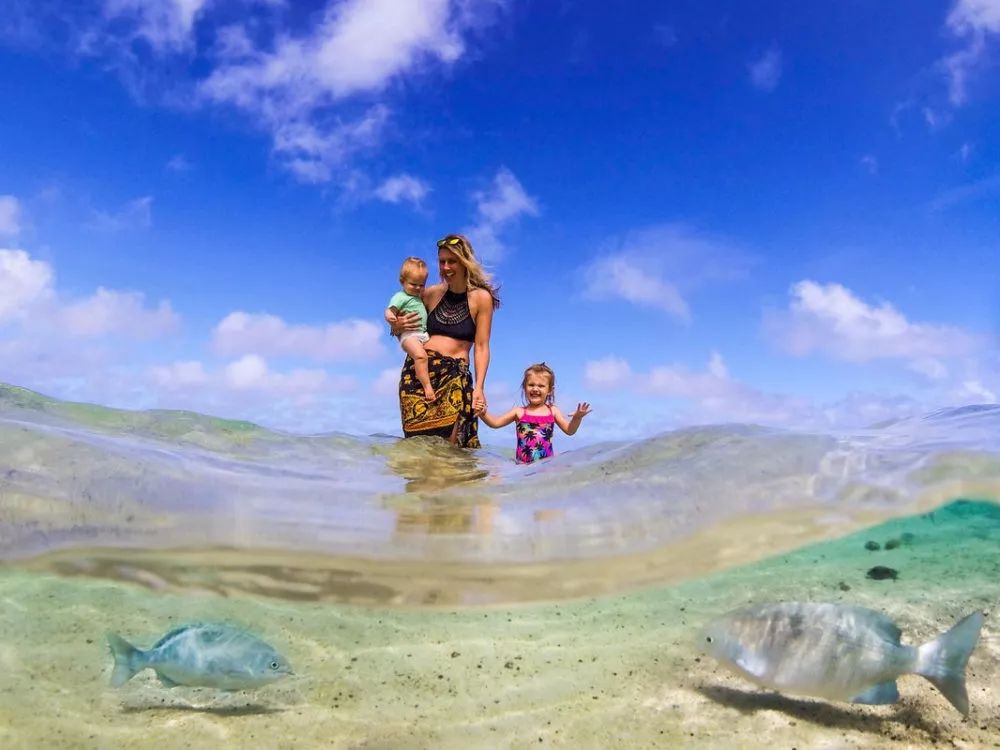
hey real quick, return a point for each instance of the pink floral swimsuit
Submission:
(534, 437)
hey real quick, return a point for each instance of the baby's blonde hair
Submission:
(539, 368)
(414, 264)
(476, 275)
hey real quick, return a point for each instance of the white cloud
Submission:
(387, 382)
(10, 216)
(28, 295)
(965, 152)
(608, 372)
(136, 214)
(403, 187)
(708, 395)
(245, 333)
(973, 22)
(358, 47)
(650, 267)
(870, 163)
(765, 72)
(829, 318)
(318, 82)
(24, 284)
(180, 375)
(502, 204)
(164, 24)
(123, 313)
(246, 375)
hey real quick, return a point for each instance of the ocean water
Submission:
(432, 597)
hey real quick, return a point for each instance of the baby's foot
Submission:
(429, 394)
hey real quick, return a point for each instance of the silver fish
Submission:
(838, 652)
(202, 654)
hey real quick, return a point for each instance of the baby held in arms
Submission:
(412, 278)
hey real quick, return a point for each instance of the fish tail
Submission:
(943, 660)
(128, 660)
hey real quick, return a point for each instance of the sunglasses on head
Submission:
(449, 241)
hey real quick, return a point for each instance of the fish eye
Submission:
(708, 639)
(274, 665)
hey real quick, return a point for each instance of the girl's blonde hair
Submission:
(539, 368)
(475, 274)
(414, 264)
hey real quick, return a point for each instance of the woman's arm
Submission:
(502, 421)
(484, 325)
(571, 425)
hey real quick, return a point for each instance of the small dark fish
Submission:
(872, 546)
(892, 544)
(202, 654)
(838, 652)
(881, 572)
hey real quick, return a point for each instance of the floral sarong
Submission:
(452, 381)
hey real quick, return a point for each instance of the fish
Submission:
(838, 652)
(201, 654)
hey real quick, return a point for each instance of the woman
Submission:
(459, 319)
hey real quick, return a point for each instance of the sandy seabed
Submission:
(618, 671)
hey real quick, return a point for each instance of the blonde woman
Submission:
(459, 321)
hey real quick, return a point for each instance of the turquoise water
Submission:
(433, 598)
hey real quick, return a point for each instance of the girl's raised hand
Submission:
(582, 410)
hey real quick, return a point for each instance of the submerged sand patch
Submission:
(615, 671)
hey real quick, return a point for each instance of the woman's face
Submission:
(450, 266)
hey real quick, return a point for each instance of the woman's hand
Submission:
(478, 401)
(406, 322)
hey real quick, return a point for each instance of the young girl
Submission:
(536, 420)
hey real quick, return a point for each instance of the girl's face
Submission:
(451, 267)
(537, 388)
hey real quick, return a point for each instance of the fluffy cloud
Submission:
(316, 82)
(122, 313)
(765, 72)
(974, 22)
(503, 203)
(403, 187)
(166, 25)
(829, 318)
(28, 295)
(268, 335)
(295, 88)
(10, 216)
(24, 284)
(651, 266)
(708, 395)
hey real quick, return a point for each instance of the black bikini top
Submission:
(452, 318)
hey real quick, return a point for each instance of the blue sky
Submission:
(700, 212)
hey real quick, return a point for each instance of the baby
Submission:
(413, 276)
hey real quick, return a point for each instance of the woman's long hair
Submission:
(475, 275)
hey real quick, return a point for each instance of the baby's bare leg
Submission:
(415, 349)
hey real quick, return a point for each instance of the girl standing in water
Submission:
(536, 420)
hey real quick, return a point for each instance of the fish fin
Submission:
(878, 695)
(166, 681)
(128, 660)
(943, 660)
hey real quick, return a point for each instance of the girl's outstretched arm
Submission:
(502, 421)
(571, 425)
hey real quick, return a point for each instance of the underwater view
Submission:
(423, 596)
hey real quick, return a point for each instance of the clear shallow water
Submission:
(433, 598)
